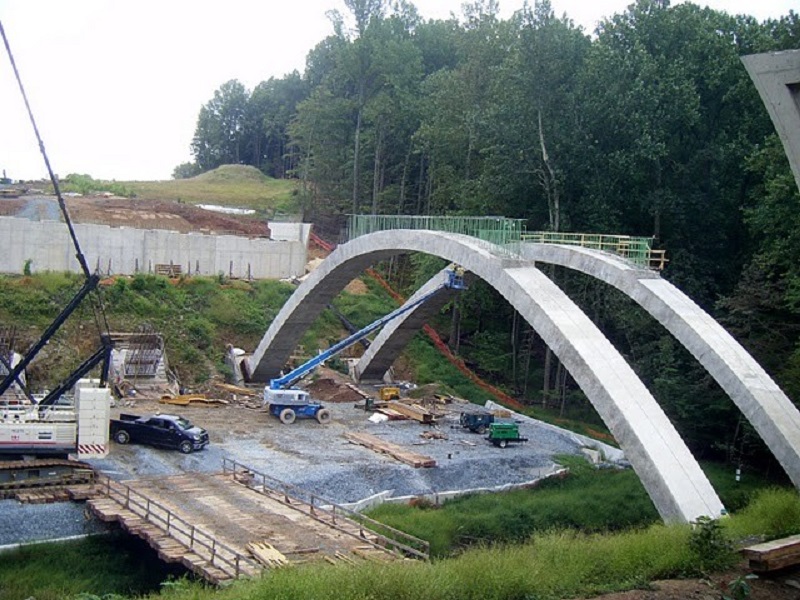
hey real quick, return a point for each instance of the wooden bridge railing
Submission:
(331, 514)
(204, 544)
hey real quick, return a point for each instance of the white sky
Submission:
(116, 85)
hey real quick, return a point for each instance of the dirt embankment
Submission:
(143, 214)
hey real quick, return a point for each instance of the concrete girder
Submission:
(772, 414)
(776, 76)
(673, 479)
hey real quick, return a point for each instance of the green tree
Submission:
(222, 128)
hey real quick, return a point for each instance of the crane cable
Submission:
(62, 205)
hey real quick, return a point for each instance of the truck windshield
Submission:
(183, 423)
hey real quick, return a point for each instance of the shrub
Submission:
(710, 546)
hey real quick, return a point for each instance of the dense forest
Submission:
(648, 126)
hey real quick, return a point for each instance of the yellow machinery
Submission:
(389, 393)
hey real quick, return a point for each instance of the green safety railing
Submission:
(505, 235)
(638, 250)
(500, 231)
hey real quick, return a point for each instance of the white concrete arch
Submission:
(396, 335)
(772, 414)
(669, 473)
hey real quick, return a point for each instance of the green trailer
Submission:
(503, 433)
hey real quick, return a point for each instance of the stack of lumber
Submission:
(392, 414)
(393, 450)
(412, 411)
(186, 399)
(266, 554)
(777, 554)
(235, 389)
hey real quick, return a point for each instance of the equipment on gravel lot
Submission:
(389, 392)
(476, 422)
(501, 434)
(287, 402)
(165, 431)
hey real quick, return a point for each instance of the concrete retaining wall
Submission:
(290, 232)
(126, 251)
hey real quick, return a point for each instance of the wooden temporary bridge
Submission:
(238, 522)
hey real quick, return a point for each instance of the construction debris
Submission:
(413, 411)
(777, 554)
(186, 399)
(235, 389)
(433, 435)
(266, 554)
(379, 445)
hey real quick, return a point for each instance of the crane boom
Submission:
(455, 280)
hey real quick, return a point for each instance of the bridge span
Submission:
(771, 413)
(674, 480)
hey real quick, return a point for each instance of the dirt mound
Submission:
(357, 287)
(227, 173)
(161, 214)
(784, 586)
(328, 390)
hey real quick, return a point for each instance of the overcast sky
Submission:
(116, 85)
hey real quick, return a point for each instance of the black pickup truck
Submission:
(166, 431)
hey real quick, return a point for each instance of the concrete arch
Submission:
(772, 414)
(669, 473)
(396, 335)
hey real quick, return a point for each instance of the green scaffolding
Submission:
(496, 230)
(638, 250)
(506, 234)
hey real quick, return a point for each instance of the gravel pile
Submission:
(36, 522)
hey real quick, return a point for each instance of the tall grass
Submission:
(587, 499)
(100, 566)
(550, 565)
(773, 513)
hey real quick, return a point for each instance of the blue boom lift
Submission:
(287, 402)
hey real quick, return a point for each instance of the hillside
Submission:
(238, 186)
(198, 318)
(229, 185)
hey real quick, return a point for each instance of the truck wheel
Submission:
(122, 437)
(287, 416)
(324, 416)
(186, 447)
(480, 429)
(503, 443)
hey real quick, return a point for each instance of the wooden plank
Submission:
(773, 564)
(773, 555)
(788, 545)
(379, 445)
(267, 554)
(392, 414)
(412, 412)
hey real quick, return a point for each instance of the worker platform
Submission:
(237, 523)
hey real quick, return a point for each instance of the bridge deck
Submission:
(207, 521)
